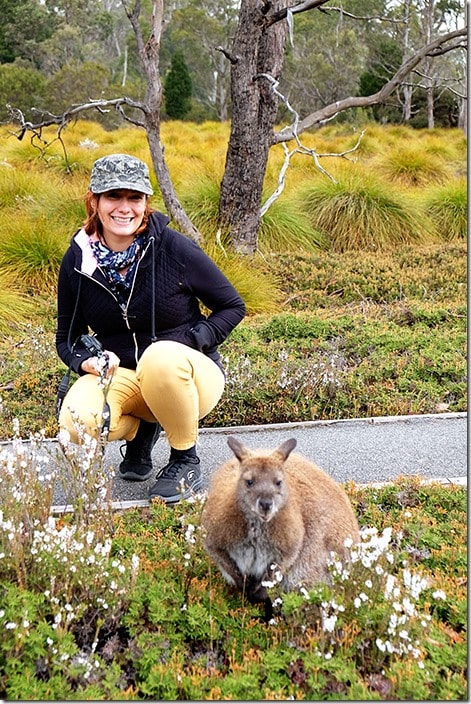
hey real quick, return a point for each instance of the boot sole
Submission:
(134, 477)
(196, 486)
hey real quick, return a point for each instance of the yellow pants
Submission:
(173, 384)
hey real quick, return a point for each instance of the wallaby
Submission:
(273, 508)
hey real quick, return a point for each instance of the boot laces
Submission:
(175, 467)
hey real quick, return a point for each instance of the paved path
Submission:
(366, 450)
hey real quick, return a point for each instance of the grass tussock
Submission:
(15, 308)
(413, 166)
(362, 213)
(447, 207)
(33, 255)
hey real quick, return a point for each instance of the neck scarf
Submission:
(112, 262)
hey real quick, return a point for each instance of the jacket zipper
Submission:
(124, 312)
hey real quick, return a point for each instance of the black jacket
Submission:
(172, 277)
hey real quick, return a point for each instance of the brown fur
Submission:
(269, 508)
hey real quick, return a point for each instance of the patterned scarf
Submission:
(112, 262)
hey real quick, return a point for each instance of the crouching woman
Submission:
(137, 285)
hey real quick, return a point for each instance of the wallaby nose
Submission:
(265, 505)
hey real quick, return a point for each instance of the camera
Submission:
(92, 345)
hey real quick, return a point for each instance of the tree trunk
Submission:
(407, 108)
(150, 55)
(257, 49)
(430, 110)
(463, 116)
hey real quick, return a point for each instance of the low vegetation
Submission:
(349, 315)
(99, 605)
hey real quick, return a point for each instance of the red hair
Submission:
(92, 222)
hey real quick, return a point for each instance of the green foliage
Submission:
(308, 367)
(77, 82)
(101, 605)
(20, 87)
(25, 25)
(178, 88)
(384, 60)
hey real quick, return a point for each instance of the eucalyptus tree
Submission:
(25, 25)
(316, 72)
(422, 20)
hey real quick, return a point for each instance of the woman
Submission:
(138, 284)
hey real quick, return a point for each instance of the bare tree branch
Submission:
(369, 18)
(48, 119)
(286, 12)
(231, 57)
(300, 149)
(326, 113)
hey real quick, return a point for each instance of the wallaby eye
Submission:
(249, 482)
(278, 482)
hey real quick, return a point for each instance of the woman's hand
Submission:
(96, 365)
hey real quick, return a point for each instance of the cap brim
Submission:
(120, 185)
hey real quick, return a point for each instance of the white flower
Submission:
(328, 622)
(439, 594)
(380, 645)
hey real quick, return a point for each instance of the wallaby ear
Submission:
(237, 448)
(286, 448)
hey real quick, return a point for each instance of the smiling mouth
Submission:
(121, 221)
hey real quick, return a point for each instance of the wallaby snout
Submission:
(265, 507)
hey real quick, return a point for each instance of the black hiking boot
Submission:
(137, 463)
(179, 479)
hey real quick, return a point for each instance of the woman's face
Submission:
(121, 213)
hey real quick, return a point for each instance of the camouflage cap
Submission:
(120, 171)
